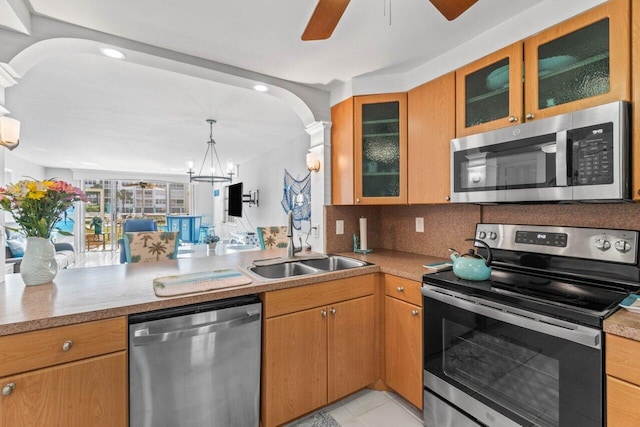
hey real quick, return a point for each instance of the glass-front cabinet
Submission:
(491, 95)
(579, 63)
(380, 154)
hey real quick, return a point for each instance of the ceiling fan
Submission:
(327, 13)
(141, 184)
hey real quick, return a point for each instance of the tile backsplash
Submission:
(445, 226)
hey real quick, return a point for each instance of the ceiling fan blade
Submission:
(324, 19)
(451, 9)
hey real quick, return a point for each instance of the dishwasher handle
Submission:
(142, 336)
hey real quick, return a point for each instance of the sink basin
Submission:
(289, 268)
(281, 271)
(334, 263)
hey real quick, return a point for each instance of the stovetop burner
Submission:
(579, 281)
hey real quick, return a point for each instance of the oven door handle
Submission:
(579, 334)
(561, 159)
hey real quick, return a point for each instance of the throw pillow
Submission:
(17, 246)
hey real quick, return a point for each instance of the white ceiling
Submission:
(86, 111)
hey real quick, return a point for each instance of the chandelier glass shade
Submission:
(214, 161)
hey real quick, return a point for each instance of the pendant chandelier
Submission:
(211, 153)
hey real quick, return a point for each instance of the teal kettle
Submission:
(471, 266)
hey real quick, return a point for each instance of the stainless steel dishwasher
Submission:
(196, 366)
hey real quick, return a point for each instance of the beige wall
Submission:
(393, 227)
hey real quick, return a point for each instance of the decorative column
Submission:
(8, 78)
(320, 149)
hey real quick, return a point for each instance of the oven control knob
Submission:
(623, 246)
(603, 244)
(482, 235)
(493, 235)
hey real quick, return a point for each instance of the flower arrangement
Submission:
(38, 205)
(211, 239)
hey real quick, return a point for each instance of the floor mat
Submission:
(319, 419)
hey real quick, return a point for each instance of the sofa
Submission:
(15, 244)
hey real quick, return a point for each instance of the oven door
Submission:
(508, 367)
(524, 163)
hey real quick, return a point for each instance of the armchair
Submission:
(133, 226)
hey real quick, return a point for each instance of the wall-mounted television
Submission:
(234, 207)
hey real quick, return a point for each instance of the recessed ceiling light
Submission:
(89, 163)
(112, 53)
(260, 88)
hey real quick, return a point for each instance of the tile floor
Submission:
(371, 408)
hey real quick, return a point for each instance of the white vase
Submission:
(38, 265)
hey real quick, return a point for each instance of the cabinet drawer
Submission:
(622, 403)
(622, 356)
(38, 349)
(285, 301)
(403, 289)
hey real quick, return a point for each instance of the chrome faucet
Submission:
(291, 248)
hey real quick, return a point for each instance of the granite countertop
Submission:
(84, 294)
(623, 323)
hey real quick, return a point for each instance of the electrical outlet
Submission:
(316, 230)
(339, 226)
(420, 225)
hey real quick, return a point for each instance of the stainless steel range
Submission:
(526, 347)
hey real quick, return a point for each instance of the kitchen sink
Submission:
(286, 267)
(283, 270)
(334, 263)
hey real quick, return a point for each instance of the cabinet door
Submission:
(403, 349)
(635, 84)
(294, 365)
(431, 126)
(582, 62)
(351, 346)
(342, 173)
(622, 403)
(489, 92)
(90, 392)
(380, 157)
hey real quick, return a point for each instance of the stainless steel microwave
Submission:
(579, 156)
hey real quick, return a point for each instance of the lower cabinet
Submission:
(403, 338)
(623, 381)
(68, 376)
(318, 346)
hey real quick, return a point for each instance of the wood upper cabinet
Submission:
(635, 84)
(431, 126)
(380, 149)
(318, 346)
(369, 150)
(72, 375)
(623, 381)
(489, 92)
(403, 338)
(579, 63)
(342, 151)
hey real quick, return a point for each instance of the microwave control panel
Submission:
(592, 155)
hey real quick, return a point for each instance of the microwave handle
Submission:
(561, 159)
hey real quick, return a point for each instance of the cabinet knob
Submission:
(324, 313)
(400, 289)
(66, 346)
(529, 116)
(513, 119)
(8, 389)
(357, 200)
(448, 198)
(415, 312)
(332, 311)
